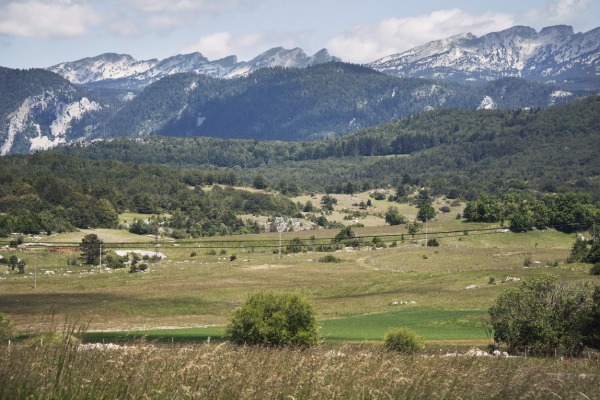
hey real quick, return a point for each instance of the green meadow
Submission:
(442, 293)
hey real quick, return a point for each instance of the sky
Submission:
(42, 33)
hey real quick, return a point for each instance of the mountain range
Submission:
(123, 71)
(288, 95)
(554, 55)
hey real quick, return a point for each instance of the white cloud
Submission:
(223, 44)
(47, 19)
(196, 6)
(367, 43)
(555, 12)
(165, 15)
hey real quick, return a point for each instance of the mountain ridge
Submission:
(122, 70)
(554, 54)
(291, 104)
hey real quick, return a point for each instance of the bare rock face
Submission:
(554, 54)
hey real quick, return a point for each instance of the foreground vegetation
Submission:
(69, 371)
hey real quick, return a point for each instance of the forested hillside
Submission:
(468, 151)
(41, 110)
(50, 193)
(318, 102)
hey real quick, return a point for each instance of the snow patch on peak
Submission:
(130, 73)
(520, 51)
(487, 104)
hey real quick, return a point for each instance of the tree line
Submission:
(56, 193)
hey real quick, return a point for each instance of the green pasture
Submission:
(431, 324)
(440, 292)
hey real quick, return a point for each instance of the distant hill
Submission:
(463, 151)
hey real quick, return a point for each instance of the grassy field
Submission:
(441, 292)
(170, 320)
(224, 371)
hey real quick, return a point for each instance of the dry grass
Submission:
(202, 290)
(334, 372)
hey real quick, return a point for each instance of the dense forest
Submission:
(289, 104)
(54, 193)
(458, 152)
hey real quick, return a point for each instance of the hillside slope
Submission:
(306, 104)
(468, 150)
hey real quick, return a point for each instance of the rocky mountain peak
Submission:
(555, 53)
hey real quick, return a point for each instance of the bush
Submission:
(296, 246)
(593, 256)
(7, 329)
(393, 216)
(595, 270)
(545, 317)
(269, 318)
(404, 340)
(330, 259)
(433, 243)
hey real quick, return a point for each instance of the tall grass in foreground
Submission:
(225, 371)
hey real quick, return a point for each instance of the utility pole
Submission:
(100, 247)
(35, 271)
(280, 222)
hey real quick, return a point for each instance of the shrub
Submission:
(7, 329)
(393, 216)
(114, 261)
(545, 317)
(330, 259)
(270, 318)
(595, 270)
(296, 246)
(593, 256)
(433, 243)
(404, 340)
(578, 251)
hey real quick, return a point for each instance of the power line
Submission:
(322, 241)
